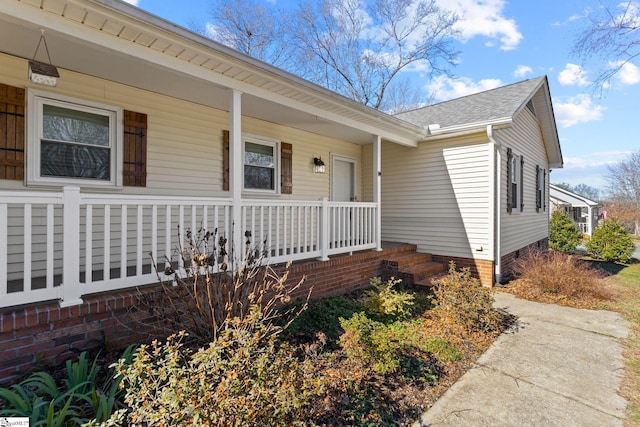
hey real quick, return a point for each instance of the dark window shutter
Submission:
(225, 160)
(521, 183)
(544, 189)
(134, 170)
(11, 132)
(286, 168)
(538, 189)
(510, 194)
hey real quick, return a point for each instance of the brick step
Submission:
(414, 268)
(408, 259)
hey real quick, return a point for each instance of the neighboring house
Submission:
(475, 189)
(152, 128)
(583, 211)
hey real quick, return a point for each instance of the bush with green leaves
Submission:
(367, 341)
(243, 377)
(463, 299)
(611, 242)
(78, 399)
(385, 301)
(564, 233)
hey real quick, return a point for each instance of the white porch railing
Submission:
(584, 227)
(64, 245)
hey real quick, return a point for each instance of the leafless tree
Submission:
(624, 188)
(354, 47)
(612, 36)
(254, 27)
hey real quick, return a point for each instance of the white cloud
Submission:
(629, 73)
(485, 18)
(522, 71)
(578, 109)
(573, 75)
(133, 2)
(443, 88)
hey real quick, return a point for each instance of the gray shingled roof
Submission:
(481, 107)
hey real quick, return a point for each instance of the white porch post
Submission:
(377, 178)
(324, 231)
(235, 174)
(71, 287)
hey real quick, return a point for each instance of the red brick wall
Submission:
(482, 269)
(509, 261)
(49, 334)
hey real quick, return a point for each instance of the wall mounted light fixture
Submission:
(42, 73)
(318, 165)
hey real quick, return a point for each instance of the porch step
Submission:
(414, 268)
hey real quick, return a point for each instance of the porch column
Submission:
(71, 289)
(377, 178)
(235, 174)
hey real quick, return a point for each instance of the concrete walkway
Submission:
(557, 366)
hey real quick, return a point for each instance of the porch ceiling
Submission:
(118, 42)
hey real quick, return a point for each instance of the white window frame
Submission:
(516, 178)
(36, 100)
(275, 144)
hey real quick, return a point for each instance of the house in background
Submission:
(583, 211)
(151, 129)
(475, 190)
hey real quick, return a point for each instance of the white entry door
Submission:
(343, 179)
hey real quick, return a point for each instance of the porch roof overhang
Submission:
(118, 42)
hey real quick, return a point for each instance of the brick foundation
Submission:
(509, 261)
(482, 269)
(48, 334)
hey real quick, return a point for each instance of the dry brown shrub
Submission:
(556, 277)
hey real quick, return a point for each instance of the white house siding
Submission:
(438, 197)
(520, 229)
(184, 158)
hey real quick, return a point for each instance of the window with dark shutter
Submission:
(134, 168)
(256, 168)
(12, 103)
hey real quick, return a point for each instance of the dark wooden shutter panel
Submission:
(521, 183)
(286, 168)
(509, 192)
(225, 160)
(544, 191)
(11, 132)
(538, 192)
(134, 170)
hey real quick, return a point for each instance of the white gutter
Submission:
(495, 156)
(434, 130)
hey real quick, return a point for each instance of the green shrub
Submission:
(242, 378)
(611, 242)
(384, 300)
(465, 301)
(564, 233)
(367, 341)
(78, 399)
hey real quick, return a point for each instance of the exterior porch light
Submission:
(42, 73)
(318, 165)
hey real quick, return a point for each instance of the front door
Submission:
(343, 179)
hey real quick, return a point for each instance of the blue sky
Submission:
(504, 42)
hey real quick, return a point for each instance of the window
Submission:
(73, 142)
(515, 166)
(260, 165)
(541, 175)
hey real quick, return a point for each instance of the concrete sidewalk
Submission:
(557, 366)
